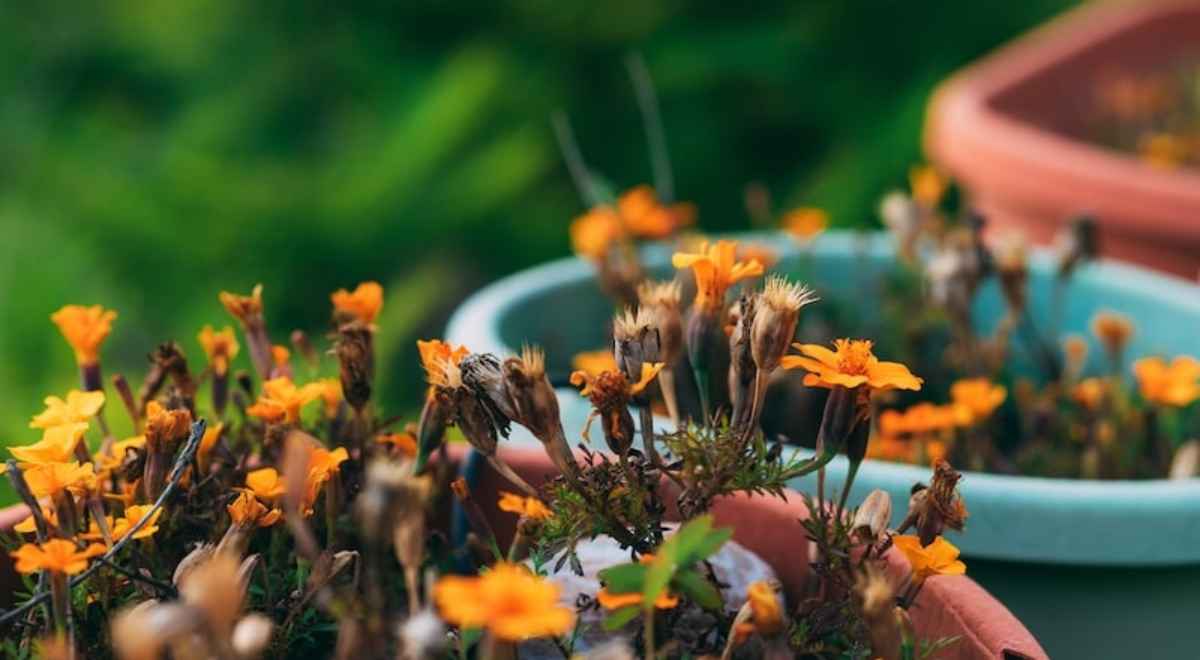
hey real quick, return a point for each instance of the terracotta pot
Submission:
(947, 606)
(1011, 129)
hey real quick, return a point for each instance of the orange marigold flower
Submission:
(764, 603)
(362, 304)
(29, 525)
(221, 347)
(243, 307)
(322, 464)
(938, 558)
(49, 479)
(331, 394)
(928, 185)
(759, 252)
(281, 400)
(436, 355)
(55, 555)
(850, 365)
(163, 425)
(642, 215)
(246, 510)
(805, 223)
(512, 603)
(1090, 393)
(280, 355)
(921, 419)
(266, 483)
(57, 444)
(978, 396)
(207, 442)
(590, 383)
(594, 363)
(78, 407)
(404, 444)
(530, 507)
(111, 457)
(85, 329)
(594, 232)
(120, 527)
(1173, 384)
(1112, 329)
(715, 270)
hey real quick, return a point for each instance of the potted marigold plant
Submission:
(1094, 112)
(253, 514)
(1063, 383)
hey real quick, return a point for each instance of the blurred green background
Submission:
(155, 153)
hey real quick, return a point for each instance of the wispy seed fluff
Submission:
(661, 300)
(775, 320)
(635, 341)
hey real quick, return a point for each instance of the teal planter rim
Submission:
(1017, 518)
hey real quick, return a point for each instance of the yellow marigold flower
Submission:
(1173, 384)
(508, 600)
(78, 407)
(266, 483)
(805, 223)
(592, 384)
(110, 458)
(530, 507)
(715, 270)
(404, 444)
(29, 525)
(85, 329)
(120, 527)
(435, 354)
(49, 479)
(978, 396)
(243, 307)
(850, 365)
(55, 555)
(1090, 393)
(331, 394)
(928, 185)
(207, 442)
(594, 232)
(221, 347)
(937, 558)
(764, 603)
(642, 215)
(281, 400)
(594, 363)
(57, 444)
(362, 304)
(246, 510)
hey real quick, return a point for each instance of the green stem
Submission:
(648, 632)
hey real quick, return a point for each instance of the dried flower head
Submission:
(661, 301)
(78, 407)
(715, 270)
(939, 557)
(221, 347)
(507, 600)
(85, 329)
(805, 224)
(1173, 384)
(440, 361)
(55, 555)
(165, 427)
(775, 316)
(355, 350)
(635, 341)
(849, 365)
(363, 304)
(247, 309)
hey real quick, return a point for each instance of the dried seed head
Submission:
(775, 319)
(143, 631)
(422, 636)
(251, 635)
(529, 395)
(937, 508)
(661, 300)
(215, 589)
(873, 516)
(742, 367)
(355, 350)
(635, 340)
(483, 377)
(193, 559)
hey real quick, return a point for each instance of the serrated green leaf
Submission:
(697, 588)
(694, 542)
(619, 618)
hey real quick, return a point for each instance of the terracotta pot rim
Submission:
(963, 127)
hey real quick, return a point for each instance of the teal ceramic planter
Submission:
(1076, 560)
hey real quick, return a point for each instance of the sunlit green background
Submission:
(154, 153)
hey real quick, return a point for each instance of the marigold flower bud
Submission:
(355, 350)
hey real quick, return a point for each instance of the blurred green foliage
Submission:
(154, 153)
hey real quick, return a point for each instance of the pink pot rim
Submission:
(963, 129)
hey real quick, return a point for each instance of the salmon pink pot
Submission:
(949, 606)
(1012, 129)
(1073, 559)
